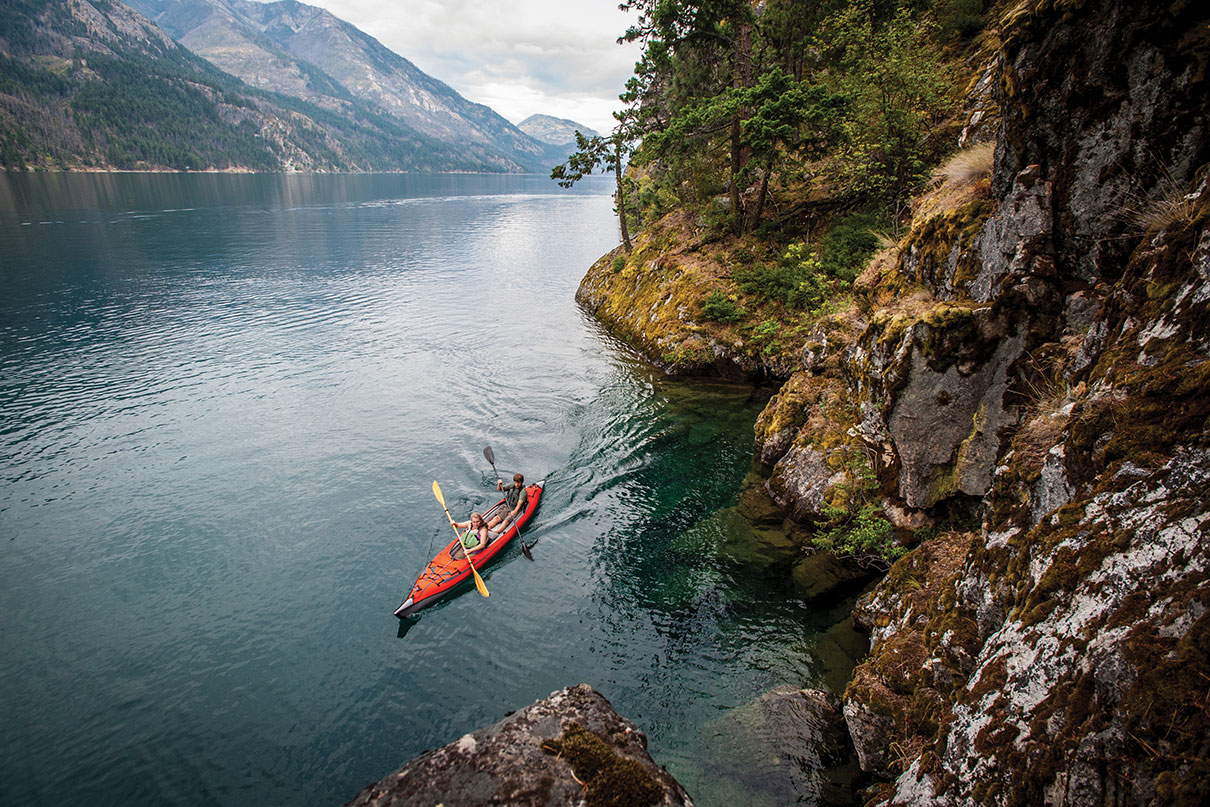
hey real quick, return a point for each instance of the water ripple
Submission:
(223, 402)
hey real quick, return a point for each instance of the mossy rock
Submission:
(610, 779)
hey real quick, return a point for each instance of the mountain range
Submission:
(230, 84)
(559, 132)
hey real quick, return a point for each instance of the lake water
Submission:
(223, 402)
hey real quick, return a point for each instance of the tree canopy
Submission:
(730, 97)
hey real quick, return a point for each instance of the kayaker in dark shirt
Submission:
(481, 536)
(516, 498)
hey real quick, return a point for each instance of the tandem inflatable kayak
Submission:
(450, 567)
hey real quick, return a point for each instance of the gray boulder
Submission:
(511, 762)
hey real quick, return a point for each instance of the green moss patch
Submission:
(609, 779)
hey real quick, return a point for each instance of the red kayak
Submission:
(450, 567)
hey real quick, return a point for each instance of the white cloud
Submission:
(520, 58)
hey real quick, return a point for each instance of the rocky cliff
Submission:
(1024, 382)
(1061, 653)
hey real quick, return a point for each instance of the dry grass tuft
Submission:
(1173, 209)
(880, 265)
(1169, 206)
(966, 177)
(969, 166)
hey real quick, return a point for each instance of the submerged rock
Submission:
(789, 744)
(507, 764)
(822, 574)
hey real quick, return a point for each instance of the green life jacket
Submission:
(469, 535)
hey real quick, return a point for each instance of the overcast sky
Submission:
(556, 57)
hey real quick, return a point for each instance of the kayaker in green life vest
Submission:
(516, 498)
(479, 535)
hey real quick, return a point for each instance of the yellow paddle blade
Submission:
(479, 586)
(437, 493)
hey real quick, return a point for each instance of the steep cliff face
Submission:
(1011, 273)
(1060, 655)
(1031, 365)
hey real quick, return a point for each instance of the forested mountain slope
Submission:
(305, 52)
(92, 84)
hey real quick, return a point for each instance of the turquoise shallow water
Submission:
(223, 402)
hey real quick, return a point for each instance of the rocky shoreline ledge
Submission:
(573, 748)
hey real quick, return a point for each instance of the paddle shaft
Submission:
(480, 586)
(490, 456)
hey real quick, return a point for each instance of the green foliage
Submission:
(764, 336)
(958, 19)
(592, 153)
(803, 117)
(899, 91)
(619, 263)
(16, 78)
(865, 533)
(795, 281)
(721, 308)
(859, 530)
(145, 116)
(727, 101)
(848, 245)
(922, 534)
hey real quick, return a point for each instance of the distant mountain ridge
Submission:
(93, 84)
(555, 131)
(305, 52)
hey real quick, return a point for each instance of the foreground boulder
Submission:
(570, 749)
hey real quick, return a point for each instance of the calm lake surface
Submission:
(223, 402)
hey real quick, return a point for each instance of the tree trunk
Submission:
(739, 152)
(737, 212)
(620, 199)
(764, 191)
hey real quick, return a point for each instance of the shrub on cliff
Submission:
(848, 245)
(796, 280)
(855, 526)
(721, 308)
(864, 534)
